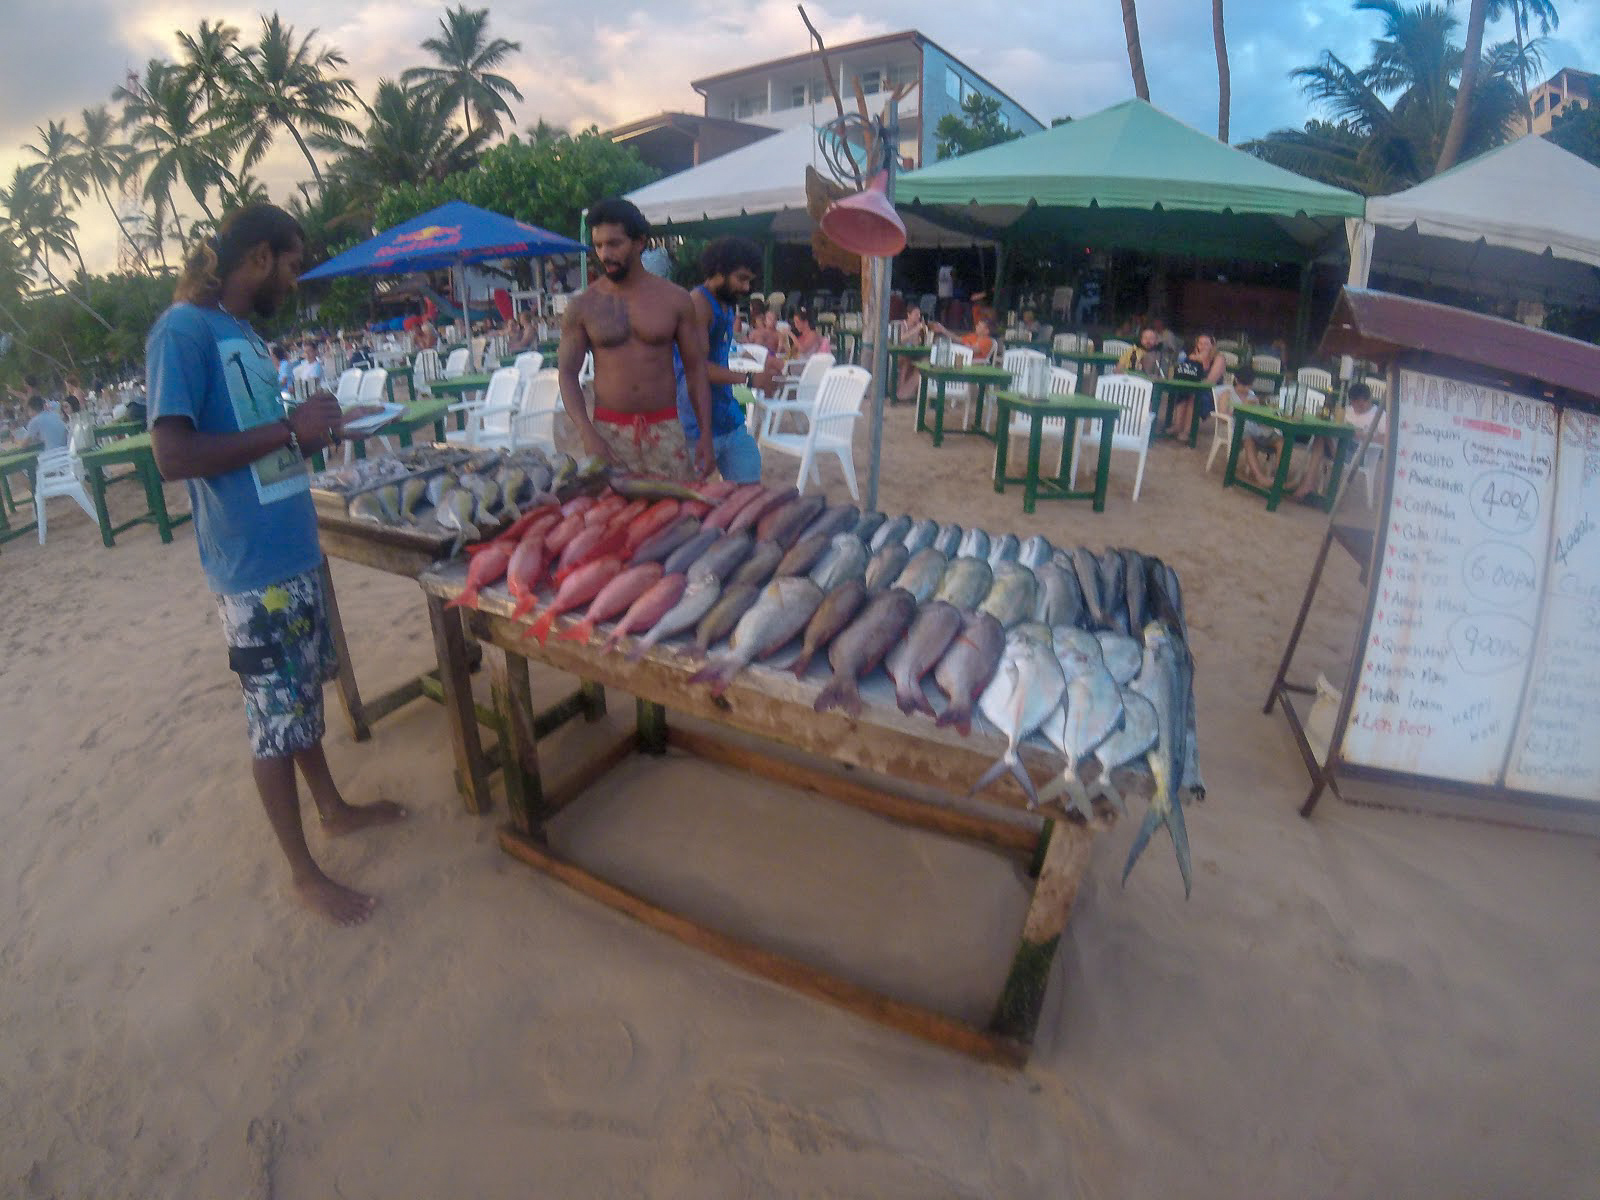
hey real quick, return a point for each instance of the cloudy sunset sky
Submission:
(613, 61)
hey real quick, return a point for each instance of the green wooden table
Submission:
(18, 460)
(981, 378)
(117, 429)
(1038, 410)
(1341, 433)
(137, 452)
(1088, 362)
(416, 416)
(1172, 390)
(456, 390)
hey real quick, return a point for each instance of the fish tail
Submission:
(541, 628)
(1152, 818)
(802, 664)
(614, 639)
(914, 699)
(581, 632)
(718, 673)
(996, 769)
(1020, 773)
(958, 715)
(1180, 842)
(466, 598)
(840, 693)
(639, 647)
(525, 605)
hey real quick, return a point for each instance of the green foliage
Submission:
(466, 53)
(1578, 130)
(53, 333)
(978, 127)
(547, 184)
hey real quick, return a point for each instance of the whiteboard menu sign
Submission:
(1461, 581)
(1557, 746)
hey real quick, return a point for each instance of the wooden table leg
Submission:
(1234, 445)
(450, 643)
(513, 692)
(938, 414)
(922, 402)
(1066, 860)
(1102, 468)
(1281, 476)
(1030, 485)
(155, 498)
(1002, 445)
(97, 489)
(349, 693)
(652, 727)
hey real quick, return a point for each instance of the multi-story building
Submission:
(1563, 90)
(792, 91)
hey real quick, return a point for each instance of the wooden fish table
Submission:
(772, 704)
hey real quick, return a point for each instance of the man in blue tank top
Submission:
(729, 265)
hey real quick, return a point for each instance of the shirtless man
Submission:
(630, 320)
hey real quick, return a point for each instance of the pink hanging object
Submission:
(866, 223)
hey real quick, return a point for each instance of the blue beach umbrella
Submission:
(450, 236)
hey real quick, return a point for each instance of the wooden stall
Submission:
(774, 705)
(1474, 679)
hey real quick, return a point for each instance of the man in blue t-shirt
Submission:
(730, 265)
(217, 423)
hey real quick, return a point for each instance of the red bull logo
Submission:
(429, 237)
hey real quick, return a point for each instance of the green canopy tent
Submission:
(1133, 178)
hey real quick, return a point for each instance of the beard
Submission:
(727, 295)
(266, 301)
(616, 272)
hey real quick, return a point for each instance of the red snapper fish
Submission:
(649, 608)
(486, 568)
(562, 532)
(733, 505)
(579, 588)
(524, 571)
(652, 521)
(616, 597)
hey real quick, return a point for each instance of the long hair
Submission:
(211, 260)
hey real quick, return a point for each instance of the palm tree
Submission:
(104, 163)
(1523, 14)
(409, 138)
(292, 85)
(1130, 31)
(211, 60)
(466, 57)
(36, 224)
(60, 172)
(1374, 144)
(240, 190)
(175, 137)
(1224, 77)
(1456, 135)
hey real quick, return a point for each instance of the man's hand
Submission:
(317, 421)
(766, 379)
(705, 456)
(598, 447)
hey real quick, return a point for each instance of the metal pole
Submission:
(583, 258)
(889, 137)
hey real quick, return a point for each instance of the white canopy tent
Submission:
(1521, 222)
(759, 191)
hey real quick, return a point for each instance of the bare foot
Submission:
(353, 817)
(341, 905)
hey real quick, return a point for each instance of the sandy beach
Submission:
(1371, 1003)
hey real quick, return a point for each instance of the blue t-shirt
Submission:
(255, 526)
(47, 428)
(726, 415)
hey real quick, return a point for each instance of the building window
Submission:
(952, 85)
(1538, 107)
(899, 76)
(871, 81)
(819, 91)
(749, 106)
(797, 96)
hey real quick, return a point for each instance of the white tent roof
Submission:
(1518, 222)
(766, 179)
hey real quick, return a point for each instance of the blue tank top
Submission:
(726, 415)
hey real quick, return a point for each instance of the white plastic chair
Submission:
(1132, 430)
(952, 354)
(59, 473)
(1378, 387)
(528, 364)
(1298, 400)
(489, 424)
(1231, 358)
(1115, 346)
(1315, 377)
(796, 395)
(1030, 375)
(832, 422)
(1222, 421)
(1059, 381)
(535, 421)
(1066, 343)
(426, 369)
(349, 385)
(753, 351)
(456, 365)
(372, 389)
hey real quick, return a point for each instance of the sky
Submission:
(613, 62)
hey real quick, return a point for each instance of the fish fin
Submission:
(1052, 789)
(718, 673)
(1180, 842)
(957, 715)
(802, 664)
(581, 632)
(919, 701)
(1022, 777)
(996, 769)
(637, 650)
(466, 598)
(840, 693)
(541, 628)
(1152, 818)
(524, 606)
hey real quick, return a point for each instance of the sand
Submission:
(1369, 1003)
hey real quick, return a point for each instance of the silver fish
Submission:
(1122, 654)
(454, 511)
(438, 485)
(1092, 708)
(892, 530)
(867, 526)
(563, 467)
(936, 626)
(490, 502)
(1037, 630)
(1133, 740)
(841, 518)
(920, 536)
(722, 616)
(1164, 681)
(388, 498)
(923, 574)
(1087, 568)
(845, 559)
(1035, 551)
(723, 556)
(1133, 586)
(539, 477)
(967, 667)
(966, 582)
(974, 544)
(949, 540)
(411, 493)
(686, 555)
(861, 647)
(886, 566)
(1026, 688)
(758, 568)
(696, 601)
(838, 609)
(660, 545)
(805, 554)
(1004, 549)
(1059, 601)
(1011, 597)
(365, 507)
(781, 612)
(512, 481)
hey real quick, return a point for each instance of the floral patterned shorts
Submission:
(650, 444)
(280, 646)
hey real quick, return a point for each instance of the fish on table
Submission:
(838, 609)
(966, 582)
(936, 625)
(1026, 688)
(778, 615)
(699, 595)
(1164, 681)
(846, 559)
(862, 646)
(886, 564)
(966, 668)
(923, 574)
(1090, 711)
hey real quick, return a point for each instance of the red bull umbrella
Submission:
(451, 235)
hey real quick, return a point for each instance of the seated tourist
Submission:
(1204, 365)
(913, 332)
(980, 341)
(1145, 355)
(807, 341)
(45, 429)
